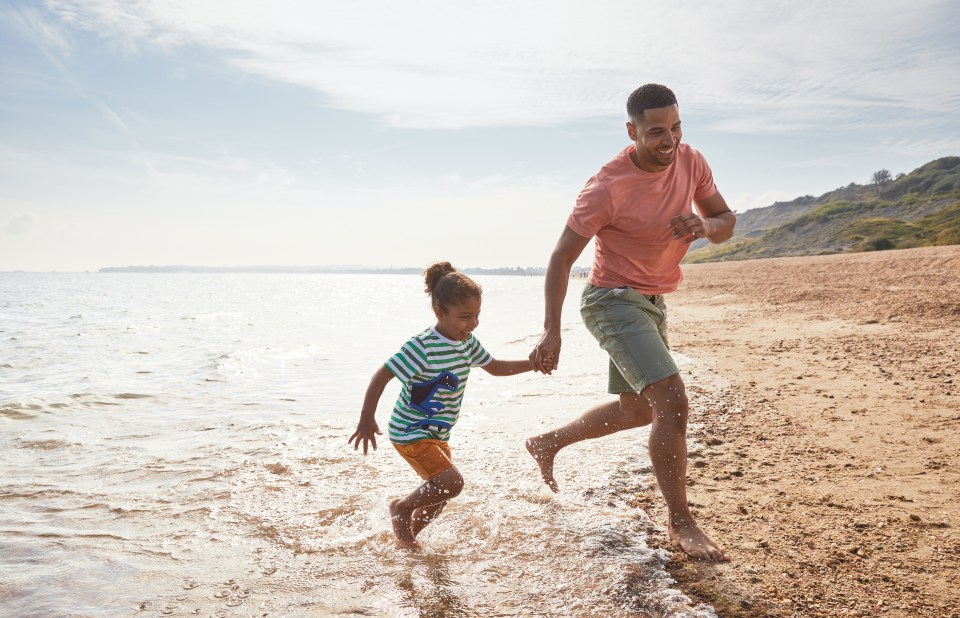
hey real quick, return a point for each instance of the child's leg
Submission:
(423, 516)
(433, 493)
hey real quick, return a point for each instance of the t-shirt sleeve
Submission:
(704, 175)
(593, 211)
(409, 361)
(478, 356)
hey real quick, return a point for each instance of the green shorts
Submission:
(632, 329)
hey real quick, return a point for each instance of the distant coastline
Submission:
(526, 271)
(348, 270)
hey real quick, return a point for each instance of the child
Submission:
(434, 366)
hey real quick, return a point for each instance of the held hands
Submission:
(367, 431)
(546, 355)
(688, 228)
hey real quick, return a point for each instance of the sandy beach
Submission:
(824, 433)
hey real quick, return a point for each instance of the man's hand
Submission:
(367, 432)
(546, 355)
(715, 221)
(688, 228)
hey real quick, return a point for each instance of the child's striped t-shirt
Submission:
(434, 372)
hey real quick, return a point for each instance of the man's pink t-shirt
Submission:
(629, 211)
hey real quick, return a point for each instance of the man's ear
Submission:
(632, 131)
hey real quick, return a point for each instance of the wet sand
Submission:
(825, 433)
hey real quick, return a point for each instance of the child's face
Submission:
(459, 320)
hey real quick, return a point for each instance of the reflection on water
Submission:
(430, 590)
(176, 445)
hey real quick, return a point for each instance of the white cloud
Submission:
(761, 66)
(53, 43)
(220, 211)
(748, 201)
(46, 34)
(923, 148)
(20, 225)
(820, 70)
(837, 160)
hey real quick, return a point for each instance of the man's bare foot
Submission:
(543, 454)
(696, 544)
(401, 526)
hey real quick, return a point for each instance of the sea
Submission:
(175, 444)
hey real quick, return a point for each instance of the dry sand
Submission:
(824, 433)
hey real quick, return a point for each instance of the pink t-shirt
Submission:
(628, 210)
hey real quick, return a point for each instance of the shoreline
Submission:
(824, 456)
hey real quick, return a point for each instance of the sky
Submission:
(395, 134)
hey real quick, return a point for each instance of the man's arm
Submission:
(546, 355)
(715, 221)
(718, 219)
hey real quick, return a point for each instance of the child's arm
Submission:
(508, 368)
(367, 428)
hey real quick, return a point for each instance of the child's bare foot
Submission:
(696, 544)
(401, 526)
(543, 454)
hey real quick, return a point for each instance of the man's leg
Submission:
(668, 453)
(628, 412)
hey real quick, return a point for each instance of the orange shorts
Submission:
(428, 457)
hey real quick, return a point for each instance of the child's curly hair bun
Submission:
(448, 286)
(434, 273)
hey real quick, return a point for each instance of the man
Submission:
(639, 208)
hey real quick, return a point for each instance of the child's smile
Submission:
(459, 320)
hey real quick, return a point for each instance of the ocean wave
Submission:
(216, 315)
(20, 411)
(42, 445)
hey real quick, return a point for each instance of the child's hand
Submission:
(367, 431)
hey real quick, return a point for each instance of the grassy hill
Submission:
(919, 209)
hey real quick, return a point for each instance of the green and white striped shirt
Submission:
(434, 372)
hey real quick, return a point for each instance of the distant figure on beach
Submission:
(434, 366)
(639, 209)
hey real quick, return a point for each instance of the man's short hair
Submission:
(649, 96)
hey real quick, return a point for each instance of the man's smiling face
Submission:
(657, 135)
